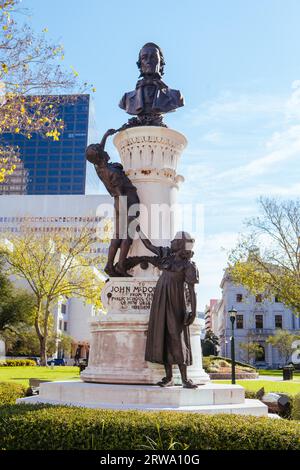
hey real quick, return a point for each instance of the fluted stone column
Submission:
(150, 156)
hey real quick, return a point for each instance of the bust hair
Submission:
(162, 59)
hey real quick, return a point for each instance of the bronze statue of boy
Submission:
(126, 203)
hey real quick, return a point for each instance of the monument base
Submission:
(118, 340)
(207, 399)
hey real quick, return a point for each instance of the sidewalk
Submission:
(276, 378)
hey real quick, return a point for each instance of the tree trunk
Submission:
(44, 340)
(43, 351)
(42, 337)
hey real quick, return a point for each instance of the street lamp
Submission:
(232, 315)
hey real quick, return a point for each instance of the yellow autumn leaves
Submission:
(7, 167)
(32, 83)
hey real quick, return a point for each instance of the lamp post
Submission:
(232, 315)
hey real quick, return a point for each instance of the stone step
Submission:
(143, 395)
(209, 398)
(249, 407)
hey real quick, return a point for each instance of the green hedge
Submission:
(17, 363)
(41, 427)
(251, 394)
(296, 407)
(10, 391)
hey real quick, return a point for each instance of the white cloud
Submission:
(230, 106)
(292, 190)
(286, 146)
(212, 137)
(211, 259)
(282, 145)
(292, 108)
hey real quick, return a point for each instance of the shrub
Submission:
(213, 368)
(17, 363)
(296, 407)
(10, 391)
(43, 427)
(239, 363)
(224, 363)
(215, 364)
(205, 362)
(218, 361)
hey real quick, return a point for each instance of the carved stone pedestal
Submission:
(119, 339)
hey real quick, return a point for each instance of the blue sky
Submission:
(236, 62)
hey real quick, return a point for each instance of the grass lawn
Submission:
(291, 387)
(22, 375)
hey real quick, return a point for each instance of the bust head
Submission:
(151, 60)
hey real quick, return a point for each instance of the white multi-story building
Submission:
(208, 314)
(257, 319)
(201, 318)
(57, 213)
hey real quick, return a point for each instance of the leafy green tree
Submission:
(267, 258)
(251, 350)
(16, 306)
(25, 342)
(65, 342)
(283, 341)
(54, 266)
(210, 344)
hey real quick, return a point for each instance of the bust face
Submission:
(150, 60)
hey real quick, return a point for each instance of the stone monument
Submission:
(149, 152)
(118, 375)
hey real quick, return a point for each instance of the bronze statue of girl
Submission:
(168, 339)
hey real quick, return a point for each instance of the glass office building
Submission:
(56, 167)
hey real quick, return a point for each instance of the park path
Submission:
(276, 378)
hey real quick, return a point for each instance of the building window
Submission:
(278, 321)
(259, 321)
(63, 308)
(239, 322)
(65, 325)
(239, 297)
(258, 298)
(277, 299)
(60, 324)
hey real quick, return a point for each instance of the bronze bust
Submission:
(152, 97)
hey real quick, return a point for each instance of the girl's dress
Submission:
(168, 340)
